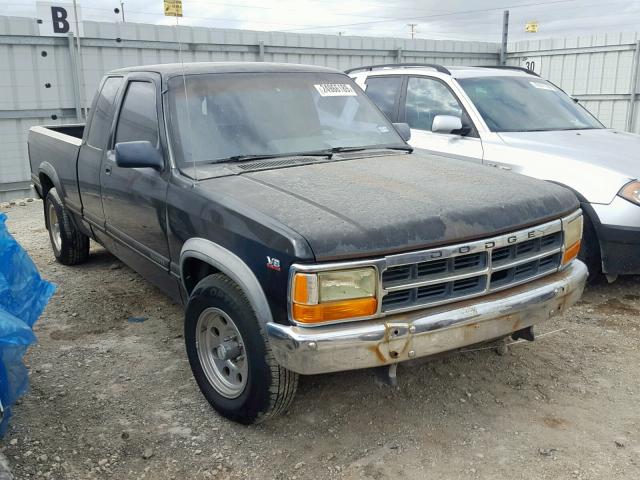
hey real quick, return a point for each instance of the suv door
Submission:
(423, 100)
(134, 198)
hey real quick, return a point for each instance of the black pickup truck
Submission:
(298, 227)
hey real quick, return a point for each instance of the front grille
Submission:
(434, 268)
(438, 276)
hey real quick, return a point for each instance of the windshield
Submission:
(525, 104)
(237, 115)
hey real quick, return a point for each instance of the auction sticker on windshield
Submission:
(335, 90)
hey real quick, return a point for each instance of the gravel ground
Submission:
(5, 470)
(115, 399)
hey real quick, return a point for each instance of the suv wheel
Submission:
(70, 246)
(230, 356)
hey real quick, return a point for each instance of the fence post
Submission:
(261, 51)
(633, 88)
(505, 37)
(75, 77)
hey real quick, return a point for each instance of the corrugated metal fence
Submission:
(602, 71)
(38, 85)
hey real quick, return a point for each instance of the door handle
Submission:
(109, 160)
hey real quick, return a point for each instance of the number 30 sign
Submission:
(532, 63)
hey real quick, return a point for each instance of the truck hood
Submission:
(379, 205)
(612, 149)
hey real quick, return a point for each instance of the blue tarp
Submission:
(23, 296)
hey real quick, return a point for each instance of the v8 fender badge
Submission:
(273, 264)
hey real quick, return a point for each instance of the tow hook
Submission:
(525, 334)
(397, 346)
(398, 339)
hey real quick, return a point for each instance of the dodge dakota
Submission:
(298, 228)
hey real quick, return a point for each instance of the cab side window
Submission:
(385, 93)
(138, 119)
(427, 98)
(103, 114)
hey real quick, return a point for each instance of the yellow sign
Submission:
(173, 8)
(531, 27)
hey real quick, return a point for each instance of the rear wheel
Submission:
(230, 356)
(70, 246)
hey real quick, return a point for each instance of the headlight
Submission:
(334, 295)
(572, 238)
(631, 192)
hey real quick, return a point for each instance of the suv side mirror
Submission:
(446, 124)
(138, 155)
(404, 130)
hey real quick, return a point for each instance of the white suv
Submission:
(510, 118)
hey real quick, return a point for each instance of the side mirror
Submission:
(446, 124)
(138, 155)
(575, 100)
(404, 130)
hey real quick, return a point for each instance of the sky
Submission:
(479, 20)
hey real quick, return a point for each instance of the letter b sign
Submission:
(58, 18)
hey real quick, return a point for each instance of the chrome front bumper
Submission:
(421, 333)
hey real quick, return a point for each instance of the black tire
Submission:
(269, 388)
(590, 251)
(73, 245)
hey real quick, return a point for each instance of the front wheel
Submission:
(230, 356)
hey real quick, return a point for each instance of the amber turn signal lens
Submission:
(303, 288)
(571, 252)
(327, 312)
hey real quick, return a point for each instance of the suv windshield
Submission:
(238, 115)
(525, 104)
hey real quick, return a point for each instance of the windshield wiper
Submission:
(346, 149)
(404, 148)
(333, 150)
(316, 153)
(265, 156)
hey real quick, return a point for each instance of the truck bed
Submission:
(53, 149)
(75, 130)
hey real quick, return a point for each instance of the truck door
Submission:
(134, 198)
(424, 99)
(93, 150)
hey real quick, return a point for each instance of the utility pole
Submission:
(635, 73)
(79, 63)
(412, 26)
(505, 37)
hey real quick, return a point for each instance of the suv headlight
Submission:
(631, 192)
(334, 295)
(572, 238)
